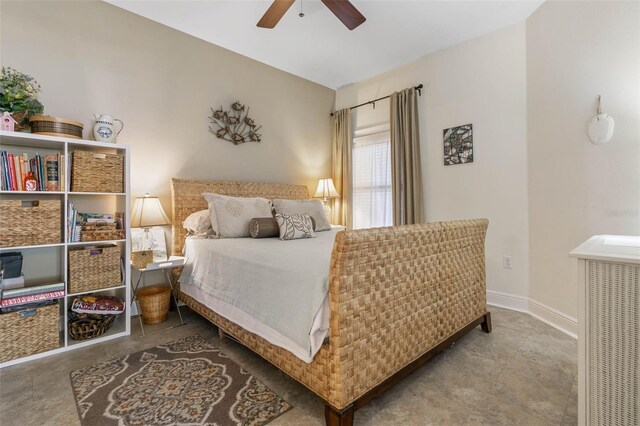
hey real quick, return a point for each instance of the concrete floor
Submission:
(523, 373)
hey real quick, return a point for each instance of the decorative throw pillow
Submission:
(199, 223)
(102, 305)
(314, 208)
(233, 214)
(267, 227)
(295, 226)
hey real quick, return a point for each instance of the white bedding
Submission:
(275, 289)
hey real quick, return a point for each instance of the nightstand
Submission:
(166, 266)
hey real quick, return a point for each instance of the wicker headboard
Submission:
(186, 198)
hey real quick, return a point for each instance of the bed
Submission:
(397, 296)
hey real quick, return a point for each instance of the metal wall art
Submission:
(234, 125)
(458, 145)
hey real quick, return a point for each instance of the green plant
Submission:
(19, 92)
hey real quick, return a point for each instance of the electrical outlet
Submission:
(506, 262)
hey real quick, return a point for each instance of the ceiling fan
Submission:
(343, 9)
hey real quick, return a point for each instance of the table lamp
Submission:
(326, 190)
(148, 212)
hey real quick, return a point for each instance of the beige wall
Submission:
(91, 57)
(482, 82)
(575, 51)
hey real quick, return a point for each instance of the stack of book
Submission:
(30, 297)
(49, 171)
(74, 223)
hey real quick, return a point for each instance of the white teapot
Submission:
(106, 128)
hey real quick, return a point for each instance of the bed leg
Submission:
(334, 417)
(486, 323)
(221, 333)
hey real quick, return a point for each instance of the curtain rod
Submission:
(373, 102)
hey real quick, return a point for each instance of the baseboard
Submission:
(539, 311)
(508, 301)
(554, 318)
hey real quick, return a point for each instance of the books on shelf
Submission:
(31, 298)
(31, 290)
(74, 223)
(49, 170)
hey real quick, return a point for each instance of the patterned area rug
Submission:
(188, 381)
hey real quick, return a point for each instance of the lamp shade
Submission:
(147, 211)
(326, 189)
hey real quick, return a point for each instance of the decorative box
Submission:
(53, 126)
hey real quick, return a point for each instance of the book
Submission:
(35, 305)
(22, 300)
(27, 291)
(23, 170)
(11, 283)
(62, 171)
(16, 166)
(52, 170)
(12, 172)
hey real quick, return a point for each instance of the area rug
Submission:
(188, 381)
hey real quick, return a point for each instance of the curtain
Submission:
(372, 201)
(406, 175)
(341, 213)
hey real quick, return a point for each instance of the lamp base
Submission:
(327, 208)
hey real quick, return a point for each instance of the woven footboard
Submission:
(396, 293)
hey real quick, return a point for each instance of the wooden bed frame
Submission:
(398, 296)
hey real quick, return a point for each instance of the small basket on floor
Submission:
(154, 303)
(85, 326)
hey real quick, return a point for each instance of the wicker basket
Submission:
(84, 326)
(21, 118)
(93, 268)
(96, 172)
(26, 223)
(54, 126)
(154, 303)
(141, 259)
(29, 332)
(102, 235)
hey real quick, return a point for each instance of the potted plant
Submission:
(18, 95)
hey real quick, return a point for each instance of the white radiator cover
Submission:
(608, 333)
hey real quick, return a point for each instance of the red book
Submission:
(12, 172)
(21, 300)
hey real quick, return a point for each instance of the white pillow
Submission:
(314, 208)
(233, 214)
(295, 226)
(198, 223)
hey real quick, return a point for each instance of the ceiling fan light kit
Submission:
(343, 9)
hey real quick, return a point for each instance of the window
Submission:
(372, 181)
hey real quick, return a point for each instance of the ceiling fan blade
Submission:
(275, 12)
(346, 12)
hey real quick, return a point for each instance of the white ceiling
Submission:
(319, 48)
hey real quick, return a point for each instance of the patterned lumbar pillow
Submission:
(233, 214)
(314, 208)
(295, 226)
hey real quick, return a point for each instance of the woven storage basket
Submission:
(141, 259)
(29, 332)
(102, 235)
(24, 223)
(83, 327)
(96, 172)
(154, 303)
(53, 126)
(93, 268)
